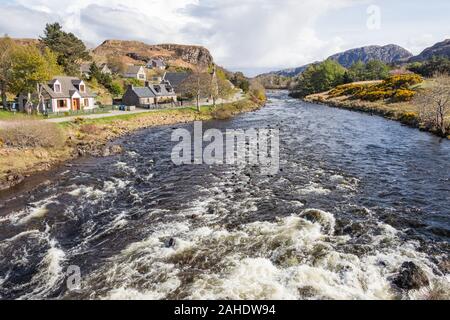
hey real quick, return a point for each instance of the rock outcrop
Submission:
(411, 277)
(183, 56)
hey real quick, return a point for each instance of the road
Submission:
(238, 96)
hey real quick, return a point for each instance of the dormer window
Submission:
(57, 87)
(82, 88)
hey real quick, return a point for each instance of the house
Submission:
(135, 72)
(149, 95)
(156, 64)
(62, 94)
(85, 69)
(175, 79)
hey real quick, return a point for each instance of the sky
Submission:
(253, 36)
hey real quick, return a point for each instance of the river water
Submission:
(356, 197)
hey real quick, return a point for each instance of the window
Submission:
(82, 88)
(86, 102)
(142, 76)
(57, 88)
(62, 103)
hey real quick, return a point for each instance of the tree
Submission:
(434, 103)
(30, 69)
(376, 70)
(7, 47)
(319, 78)
(357, 71)
(431, 67)
(69, 49)
(221, 87)
(116, 64)
(240, 81)
(197, 86)
(372, 70)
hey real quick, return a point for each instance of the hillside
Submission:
(441, 49)
(182, 56)
(388, 54)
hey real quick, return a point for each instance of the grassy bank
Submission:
(406, 112)
(23, 152)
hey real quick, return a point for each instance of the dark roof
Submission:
(152, 91)
(162, 90)
(67, 88)
(176, 78)
(144, 92)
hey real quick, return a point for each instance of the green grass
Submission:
(11, 116)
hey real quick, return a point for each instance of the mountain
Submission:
(441, 49)
(292, 72)
(183, 56)
(388, 54)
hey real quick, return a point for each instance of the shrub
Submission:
(403, 81)
(373, 95)
(30, 134)
(403, 95)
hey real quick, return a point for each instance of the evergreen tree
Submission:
(69, 49)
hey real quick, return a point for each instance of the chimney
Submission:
(147, 83)
(130, 87)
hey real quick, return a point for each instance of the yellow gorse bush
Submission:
(396, 88)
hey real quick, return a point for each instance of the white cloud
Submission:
(258, 34)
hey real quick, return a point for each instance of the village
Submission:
(56, 76)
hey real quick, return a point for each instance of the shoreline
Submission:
(403, 114)
(95, 138)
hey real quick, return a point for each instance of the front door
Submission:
(76, 104)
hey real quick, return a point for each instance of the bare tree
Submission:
(434, 103)
(197, 86)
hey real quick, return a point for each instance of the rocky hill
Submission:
(441, 49)
(175, 55)
(388, 54)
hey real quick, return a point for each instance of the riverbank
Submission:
(93, 137)
(404, 112)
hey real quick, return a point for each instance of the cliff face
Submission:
(387, 54)
(175, 55)
(441, 49)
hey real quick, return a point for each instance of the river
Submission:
(356, 196)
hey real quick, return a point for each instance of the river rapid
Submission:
(355, 198)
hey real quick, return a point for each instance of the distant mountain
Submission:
(441, 49)
(388, 54)
(291, 73)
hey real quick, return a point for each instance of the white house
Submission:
(136, 72)
(156, 64)
(63, 94)
(85, 69)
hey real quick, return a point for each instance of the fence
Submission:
(98, 110)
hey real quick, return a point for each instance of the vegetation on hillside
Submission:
(394, 88)
(431, 67)
(324, 76)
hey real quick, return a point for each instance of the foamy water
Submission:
(337, 222)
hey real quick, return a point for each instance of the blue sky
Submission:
(250, 35)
